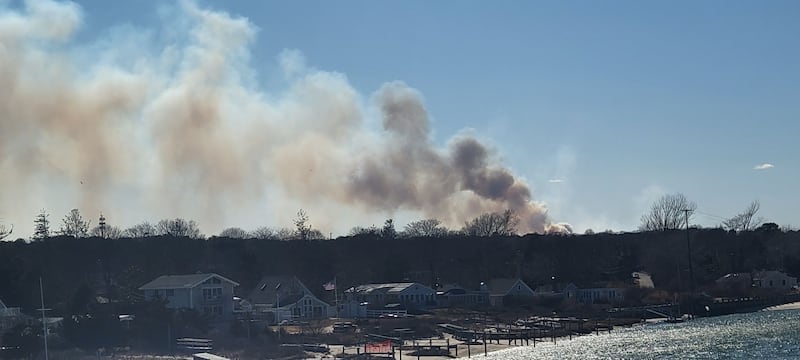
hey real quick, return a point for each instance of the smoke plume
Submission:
(145, 124)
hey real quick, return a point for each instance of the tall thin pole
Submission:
(336, 295)
(689, 249)
(691, 272)
(44, 324)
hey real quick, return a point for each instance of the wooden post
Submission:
(485, 350)
(469, 350)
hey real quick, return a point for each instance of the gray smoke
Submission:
(144, 127)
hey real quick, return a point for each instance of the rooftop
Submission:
(182, 281)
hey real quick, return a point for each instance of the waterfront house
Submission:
(595, 294)
(734, 284)
(506, 290)
(773, 280)
(210, 294)
(409, 295)
(287, 298)
(454, 295)
(10, 317)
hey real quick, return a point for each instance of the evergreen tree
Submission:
(41, 226)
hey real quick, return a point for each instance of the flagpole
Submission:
(336, 295)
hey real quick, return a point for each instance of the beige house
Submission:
(210, 293)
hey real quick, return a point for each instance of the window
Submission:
(213, 280)
(170, 292)
(212, 293)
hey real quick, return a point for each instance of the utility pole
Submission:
(44, 322)
(689, 250)
(691, 272)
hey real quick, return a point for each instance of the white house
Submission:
(643, 280)
(770, 279)
(500, 289)
(210, 293)
(288, 298)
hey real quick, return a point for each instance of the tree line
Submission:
(669, 212)
(675, 211)
(74, 224)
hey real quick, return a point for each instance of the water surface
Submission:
(764, 335)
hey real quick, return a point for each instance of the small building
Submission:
(595, 294)
(288, 298)
(10, 317)
(457, 296)
(209, 293)
(642, 280)
(774, 280)
(734, 283)
(410, 295)
(504, 290)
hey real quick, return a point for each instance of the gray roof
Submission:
(284, 288)
(389, 288)
(182, 281)
(502, 286)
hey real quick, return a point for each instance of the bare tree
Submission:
(41, 226)
(234, 233)
(668, 213)
(74, 224)
(424, 228)
(5, 232)
(358, 230)
(315, 234)
(264, 232)
(144, 229)
(285, 234)
(745, 220)
(179, 227)
(493, 224)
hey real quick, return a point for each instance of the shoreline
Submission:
(788, 306)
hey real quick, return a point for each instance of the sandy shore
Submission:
(789, 306)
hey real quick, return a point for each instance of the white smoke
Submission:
(143, 127)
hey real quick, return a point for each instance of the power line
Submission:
(711, 215)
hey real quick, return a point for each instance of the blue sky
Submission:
(600, 106)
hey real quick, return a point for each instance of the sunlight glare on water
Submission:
(765, 335)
